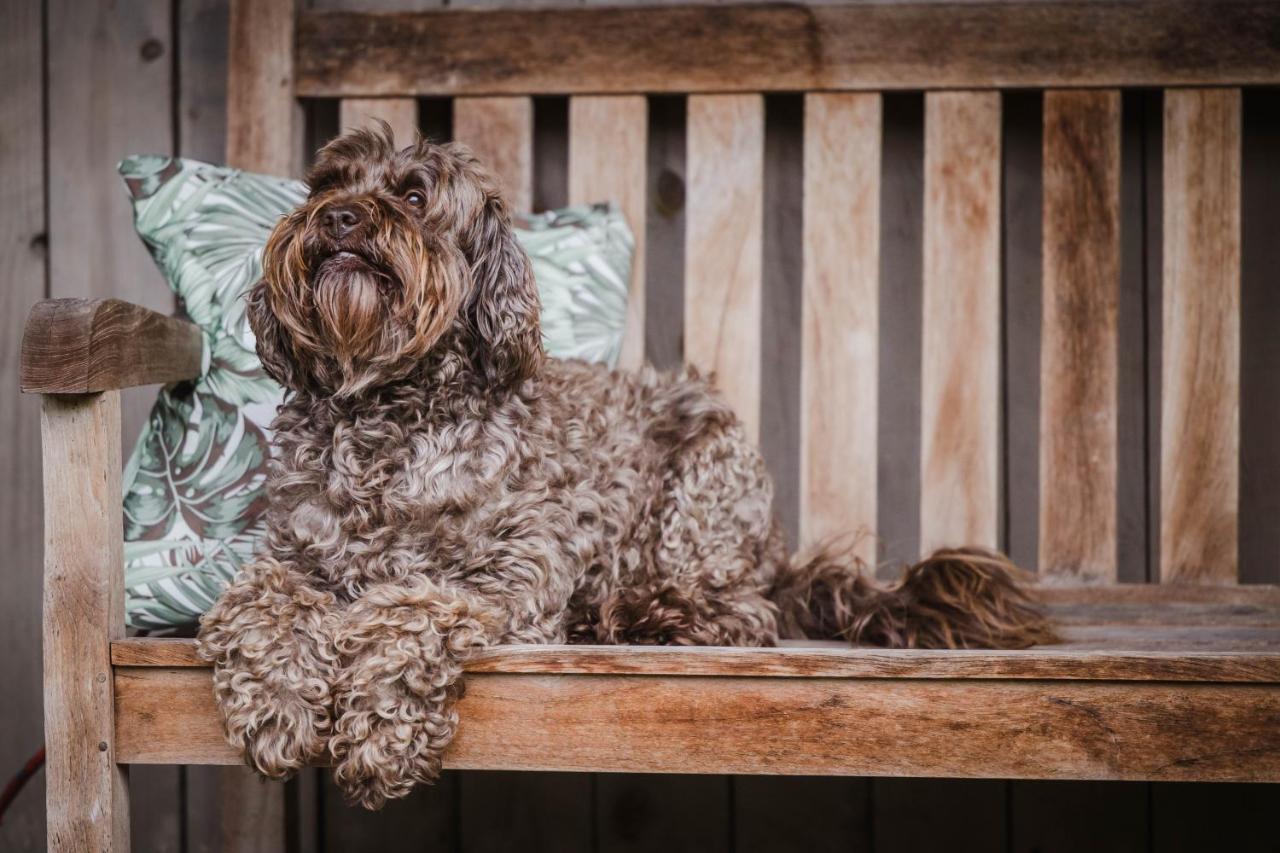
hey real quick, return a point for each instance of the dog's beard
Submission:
(351, 305)
(362, 315)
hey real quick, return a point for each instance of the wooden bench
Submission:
(1175, 681)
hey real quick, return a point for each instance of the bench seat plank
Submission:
(1138, 632)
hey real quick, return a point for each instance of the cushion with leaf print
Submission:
(194, 484)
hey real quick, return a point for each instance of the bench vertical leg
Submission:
(88, 802)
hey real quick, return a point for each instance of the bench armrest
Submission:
(81, 346)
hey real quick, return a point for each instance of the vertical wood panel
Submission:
(23, 255)
(957, 815)
(1206, 816)
(263, 118)
(202, 79)
(86, 791)
(1067, 817)
(524, 812)
(426, 820)
(960, 363)
(1078, 357)
(667, 812)
(841, 314)
(264, 134)
(215, 819)
(608, 153)
(400, 113)
(500, 132)
(110, 93)
(1200, 416)
(800, 814)
(723, 257)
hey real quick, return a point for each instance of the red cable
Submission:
(34, 763)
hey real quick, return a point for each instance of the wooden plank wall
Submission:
(24, 242)
(152, 76)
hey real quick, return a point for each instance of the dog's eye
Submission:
(415, 199)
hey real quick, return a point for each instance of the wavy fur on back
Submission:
(440, 485)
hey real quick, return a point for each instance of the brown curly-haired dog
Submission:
(440, 485)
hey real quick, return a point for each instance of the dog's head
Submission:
(394, 253)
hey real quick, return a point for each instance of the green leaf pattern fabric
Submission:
(194, 484)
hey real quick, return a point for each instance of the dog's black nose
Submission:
(340, 221)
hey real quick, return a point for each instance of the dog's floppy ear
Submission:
(274, 350)
(504, 300)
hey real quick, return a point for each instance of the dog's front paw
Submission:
(269, 640)
(381, 749)
(277, 732)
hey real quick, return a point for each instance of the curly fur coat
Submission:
(440, 485)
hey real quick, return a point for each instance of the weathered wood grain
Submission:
(726, 724)
(77, 346)
(109, 93)
(722, 275)
(1250, 654)
(400, 113)
(500, 132)
(263, 119)
(841, 319)
(1079, 343)
(109, 77)
(608, 154)
(1200, 388)
(961, 330)
(23, 266)
(86, 791)
(1111, 608)
(1136, 633)
(752, 48)
(202, 79)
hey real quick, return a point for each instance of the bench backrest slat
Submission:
(400, 113)
(608, 159)
(840, 317)
(723, 270)
(1079, 335)
(960, 367)
(500, 132)
(788, 47)
(263, 130)
(1200, 393)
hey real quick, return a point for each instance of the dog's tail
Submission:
(959, 598)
